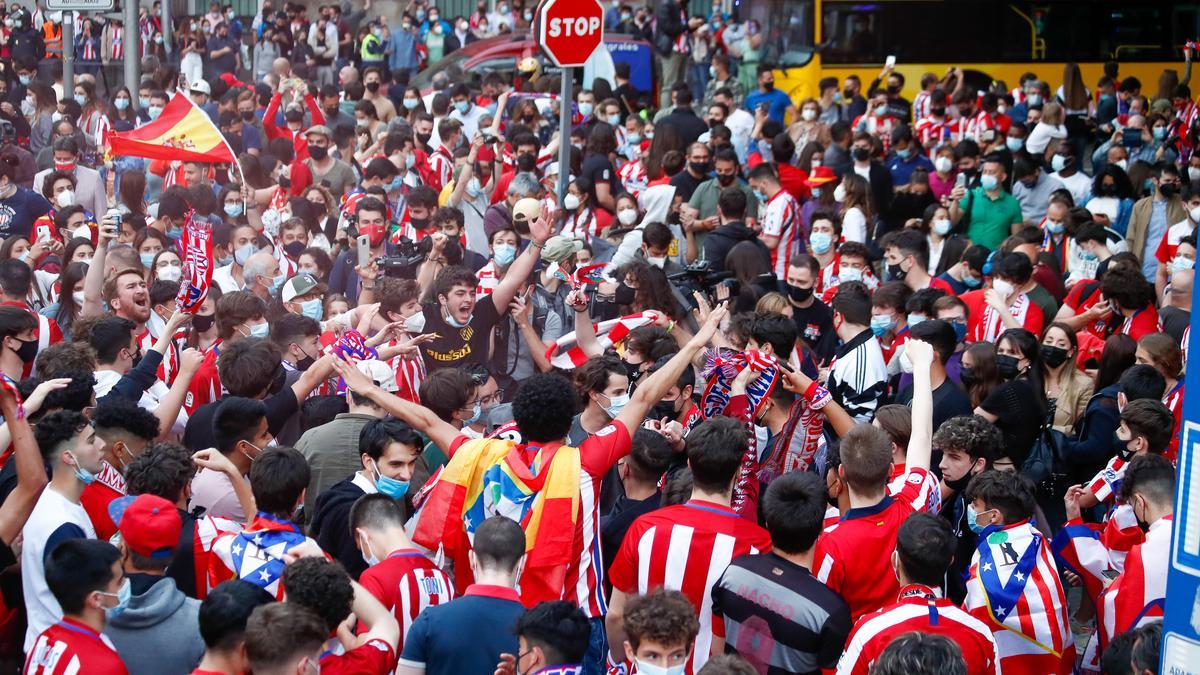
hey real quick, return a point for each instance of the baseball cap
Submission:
(201, 86)
(149, 525)
(379, 372)
(558, 248)
(526, 210)
(319, 129)
(299, 285)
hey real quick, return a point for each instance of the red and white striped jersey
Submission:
(932, 132)
(169, 368)
(407, 582)
(206, 383)
(921, 104)
(1174, 402)
(879, 127)
(932, 488)
(920, 610)
(581, 224)
(852, 557)
(442, 164)
(208, 530)
(1014, 588)
(64, 648)
(633, 177)
(686, 548)
(1136, 596)
(1106, 483)
(978, 124)
(488, 281)
(410, 373)
(782, 219)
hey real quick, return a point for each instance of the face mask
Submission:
(147, 259)
(175, 233)
(411, 103)
(368, 555)
(972, 282)
(504, 254)
(943, 164)
(808, 114)
(839, 193)
(1123, 164)
(645, 668)
(850, 274)
(760, 196)
(55, 117)
(1194, 173)
(201, 323)
(799, 294)
(616, 404)
(1159, 132)
(860, 154)
(913, 319)
(627, 216)
(633, 139)
(170, 273)
(462, 106)
(664, 409)
(86, 477)
(881, 110)
(124, 595)
(1168, 190)
(881, 323)
(989, 182)
(1058, 162)
(260, 330)
(960, 330)
(233, 210)
(153, 112)
(821, 242)
(65, 198)
(80, 99)
(394, 489)
(972, 518)
(293, 249)
(570, 202)
(966, 375)
(121, 103)
(1008, 366)
(1053, 356)
(25, 80)
(614, 120)
(243, 254)
(1180, 263)
(1003, 288)
(657, 262)
(941, 226)
(896, 273)
(1054, 226)
(701, 168)
(585, 109)
(77, 296)
(816, 192)
(318, 153)
(1014, 144)
(904, 153)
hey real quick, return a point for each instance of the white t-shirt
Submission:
(854, 225)
(54, 519)
(224, 279)
(212, 490)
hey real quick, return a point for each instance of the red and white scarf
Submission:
(993, 325)
(566, 353)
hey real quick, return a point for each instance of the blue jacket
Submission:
(403, 47)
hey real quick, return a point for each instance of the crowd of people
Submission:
(849, 384)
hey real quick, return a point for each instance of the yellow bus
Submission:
(992, 40)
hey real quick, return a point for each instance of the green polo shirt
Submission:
(704, 199)
(991, 219)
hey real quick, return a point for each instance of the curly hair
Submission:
(118, 413)
(56, 429)
(77, 395)
(544, 407)
(322, 586)
(663, 617)
(972, 435)
(162, 470)
(64, 358)
(653, 288)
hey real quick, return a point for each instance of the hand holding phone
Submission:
(890, 63)
(364, 250)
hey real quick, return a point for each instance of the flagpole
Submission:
(236, 162)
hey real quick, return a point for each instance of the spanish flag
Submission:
(489, 477)
(182, 132)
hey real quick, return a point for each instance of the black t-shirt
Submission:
(948, 401)
(1175, 322)
(18, 212)
(685, 184)
(1017, 405)
(198, 435)
(814, 324)
(598, 169)
(456, 347)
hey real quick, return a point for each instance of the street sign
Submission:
(1181, 615)
(80, 5)
(569, 31)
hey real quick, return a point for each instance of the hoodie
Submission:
(328, 526)
(159, 632)
(721, 241)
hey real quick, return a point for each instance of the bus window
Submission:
(852, 33)
(790, 44)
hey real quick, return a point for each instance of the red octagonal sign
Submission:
(569, 30)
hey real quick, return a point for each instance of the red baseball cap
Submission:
(149, 525)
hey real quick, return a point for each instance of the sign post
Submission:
(568, 31)
(132, 45)
(1181, 615)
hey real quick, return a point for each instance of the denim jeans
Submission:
(595, 661)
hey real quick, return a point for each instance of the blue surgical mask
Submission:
(821, 242)
(614, 120)
(1054, 226)
(960, 330)
(476, 412)
(86, 477)
(881, 323)
(462, 106)
(988, 182)
(260, 330)
(1058, 162)
(904, 153)
(225, 262)
(1180, 264)
(1014, 144)
(410, 161)
(80, 99)
(585, 109)
(153, 112)
(760, 195)
(143, 102)
(175, 233)
(616, 404)
(233, 210)
(972, 517)
(25, 80)
(313, 309)
(121, 103)
(147, 259)
(394, 489)
(124, 595)
(1159, 132)
(972, 282)
(396, 184)
(411, 103)
(816, 192)
(881, 110)
(633, 139)
(243, 254)
(914, 319)
(504, 254)
(277, 281)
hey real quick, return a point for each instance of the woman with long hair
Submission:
(665, 140)
(1112, 190)
(578, 215)
(945, 248)
(1161, 351)
(70, 298)
(1078, 107)
(854, 194)
(44, 103)
(412, 105)
(526, 113)
(166, 266)
(78, 249)
(93, 121)
(1065, 384)
(598, 167)
(978, 373)
(1017, 407)
(325, 209)
(749, 267)
(124, 117)
(1119, 355)
(651, 290)
(189, 44)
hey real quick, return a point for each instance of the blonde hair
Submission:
(775, 303)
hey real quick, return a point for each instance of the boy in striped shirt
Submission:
(687, 547)
(660, 631)
(399, 575)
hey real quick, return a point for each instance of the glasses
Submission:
(493, 399)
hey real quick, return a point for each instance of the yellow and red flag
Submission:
(182, 132)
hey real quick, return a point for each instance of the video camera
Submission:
(699, 276)
(407, 255)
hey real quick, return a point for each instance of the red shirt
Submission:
(985, 325)
(1143, 322)
(96, 497)
(854, 558)
(65, 648)
(686, 548)
(792, 179)
(941, 285)
(206, 383)
(1083, 296)
(919, 610)
(407, 582)
(375, 657)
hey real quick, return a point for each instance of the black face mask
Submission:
(896, 273)
(625, 294)
(798, 294)
(318, 153)
(700, 167)
(1053, 356)
(768, 87)
(372, 87)
(861, 154)
(419, 223)
(632, 370)
(958, 484)
(248, 115)
(664, 409)
(1121, 447)
(831, 499)
(293, 116)
(1007, 366)
(285, 182)
(966, 375)
(305, 363)
(293, 249)
(1168, 190)
(201, 323)
(28, 350)
(726, 179)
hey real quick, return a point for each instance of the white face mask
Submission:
(1121, 163)
(1194, 173)
(627, 216)
(570, 202)
(1003, 288)
(943, 164)
(941, 226)
(850, 274)
(77, 296)
(839, 193)
(1195, 214)
(65, 198)
(170, 273)
(808, 114)
(644, 668)
(415, 324)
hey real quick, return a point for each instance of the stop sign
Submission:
(569, 30)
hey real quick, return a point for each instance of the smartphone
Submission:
(890, 62)
(364, 250)
(1133, 139)
(960, 181)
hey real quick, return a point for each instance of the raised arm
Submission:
(539, 232)
(93, 283)
(31, 470)
(441, 432)
(585, 330)
(920, 442)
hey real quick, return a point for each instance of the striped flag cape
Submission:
(1014, 588)
(488, 477)
(565, 353)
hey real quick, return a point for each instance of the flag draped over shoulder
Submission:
(182, 132)
(488, 477)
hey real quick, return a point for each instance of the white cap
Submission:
(201, 86)
(380, 373)
(1108, 206)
